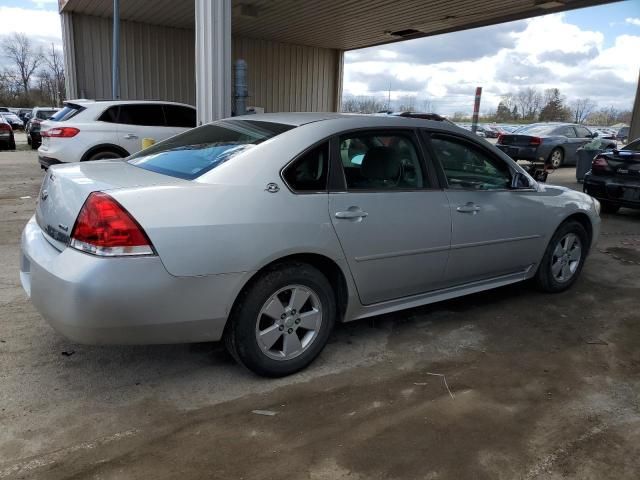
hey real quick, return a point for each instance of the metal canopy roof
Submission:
(340, 24)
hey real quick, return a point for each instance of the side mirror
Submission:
(594, 134)
(520, 180)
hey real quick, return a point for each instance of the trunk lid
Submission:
(66, 187)
(623, 163)
(516, 140)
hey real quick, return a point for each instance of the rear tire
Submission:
(564, 258)
(103, 155)
(556, 158)
(12, 143)
(266, 307)
(607, 207)
(34, 145)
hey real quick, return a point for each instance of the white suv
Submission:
(92, 130)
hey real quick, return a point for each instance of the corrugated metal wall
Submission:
(159, 63)
(156, 62)
(289, 78)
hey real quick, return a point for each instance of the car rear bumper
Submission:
(46, 162)
(613, 190)
(520, 153)
(95, 300)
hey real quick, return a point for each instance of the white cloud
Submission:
(543, 53)
(633, 21)
(37, 24)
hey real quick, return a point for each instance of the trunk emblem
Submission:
(44, 195)
(623, 170)
(272, 188)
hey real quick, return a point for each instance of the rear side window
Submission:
(568, 132)
(197, 151)
(381, 162)
(110, 115)
(149, 115)
(69, 111)
(178, 116)
(309, 172)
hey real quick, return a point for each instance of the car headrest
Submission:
(381, 164)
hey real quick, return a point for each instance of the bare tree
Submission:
(407, 103)
(52, 76)
(426, 105)
(581, 108)
(362, 104)
(529, 100)
(17, 48)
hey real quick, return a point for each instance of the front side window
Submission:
(143, 114)
(196, 151)
(583, 132)
(309, 172)
(469, 168)
(568, 132)
(380, 162)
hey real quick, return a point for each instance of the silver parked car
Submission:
(265, 230)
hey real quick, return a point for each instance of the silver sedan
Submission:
(265, 230)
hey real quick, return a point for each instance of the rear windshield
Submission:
(536, 129)
(67, 112)
(201, 149)
(44, 114)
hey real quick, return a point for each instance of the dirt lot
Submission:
(539, 386)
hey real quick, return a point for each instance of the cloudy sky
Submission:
(592, 52)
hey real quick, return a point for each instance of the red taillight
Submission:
(599, 164)
(500, 138)
(61, 132)
(104, 227)
(535, 141)
(5, 126)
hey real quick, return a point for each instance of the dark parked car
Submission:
(32, 129)
(553, 143)
(13, 120)
(614, 178)
(490, 131)
(7, 140)
(623, 135)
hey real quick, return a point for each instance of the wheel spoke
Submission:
(575, 254)
(298, 298)
(556, 268)
(566, 271)
(558, 251)
(569, 240)
(269, 336)
(310, 320)
(291, 344)
(275, 309)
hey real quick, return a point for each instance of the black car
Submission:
(614, 178)
(13, 120)
(552, 143)
(32, 128)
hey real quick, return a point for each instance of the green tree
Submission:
(554, 110)
(503, 114)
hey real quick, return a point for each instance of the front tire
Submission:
(564, 258)
(282, 321)
(556, 158)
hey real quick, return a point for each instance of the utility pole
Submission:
(476, 110)
(115, 66)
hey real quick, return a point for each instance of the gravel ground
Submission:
(508, 384)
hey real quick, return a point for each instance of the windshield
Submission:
(633, 146)
(201, 149)
(44, 114)
(66, 113)
(536, 129)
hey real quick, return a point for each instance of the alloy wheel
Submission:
(566, 258)
(289, 322)
(556, 158)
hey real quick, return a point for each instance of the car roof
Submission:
(357, 120)
(108, 103)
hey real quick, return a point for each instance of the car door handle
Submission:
(350, 214)
(468, 208)
(130, 136)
